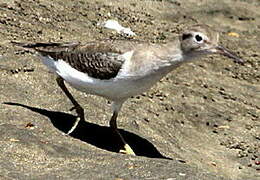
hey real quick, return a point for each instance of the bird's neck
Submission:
(169, 57)
(172, 55)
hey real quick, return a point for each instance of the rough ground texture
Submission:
(201, 122)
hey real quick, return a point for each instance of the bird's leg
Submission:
(113, 126)
(77, 107)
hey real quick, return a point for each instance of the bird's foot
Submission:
(127, 150)
(74, 126)
(80, 113)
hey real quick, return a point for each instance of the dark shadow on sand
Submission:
(99, 136)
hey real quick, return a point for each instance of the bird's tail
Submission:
(24, 45)
(42, 45)
(46, 47)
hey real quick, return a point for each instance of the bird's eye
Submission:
(198, 38)
(186, 36)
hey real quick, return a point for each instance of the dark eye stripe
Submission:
(186, 36)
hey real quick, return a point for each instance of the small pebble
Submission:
(182, 174)
(233, 34)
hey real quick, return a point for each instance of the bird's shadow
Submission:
(99, 136)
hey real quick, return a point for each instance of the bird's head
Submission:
(202, 39)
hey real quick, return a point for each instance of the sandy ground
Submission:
(201, 122)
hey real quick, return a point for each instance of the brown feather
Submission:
(99, 60)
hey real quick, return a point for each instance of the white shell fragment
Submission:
(113, 24)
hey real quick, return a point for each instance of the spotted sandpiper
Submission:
(119, 69)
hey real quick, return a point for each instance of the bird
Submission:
(119, 69)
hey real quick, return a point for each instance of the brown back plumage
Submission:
(99, 60)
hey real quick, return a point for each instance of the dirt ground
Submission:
(201, 122)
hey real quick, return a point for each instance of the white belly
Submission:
(112, 89)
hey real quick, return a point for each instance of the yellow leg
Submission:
(127, 149)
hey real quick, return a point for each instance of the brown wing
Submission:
(99, 60)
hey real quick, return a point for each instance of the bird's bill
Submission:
(225, 52)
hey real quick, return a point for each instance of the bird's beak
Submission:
(225, 52)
